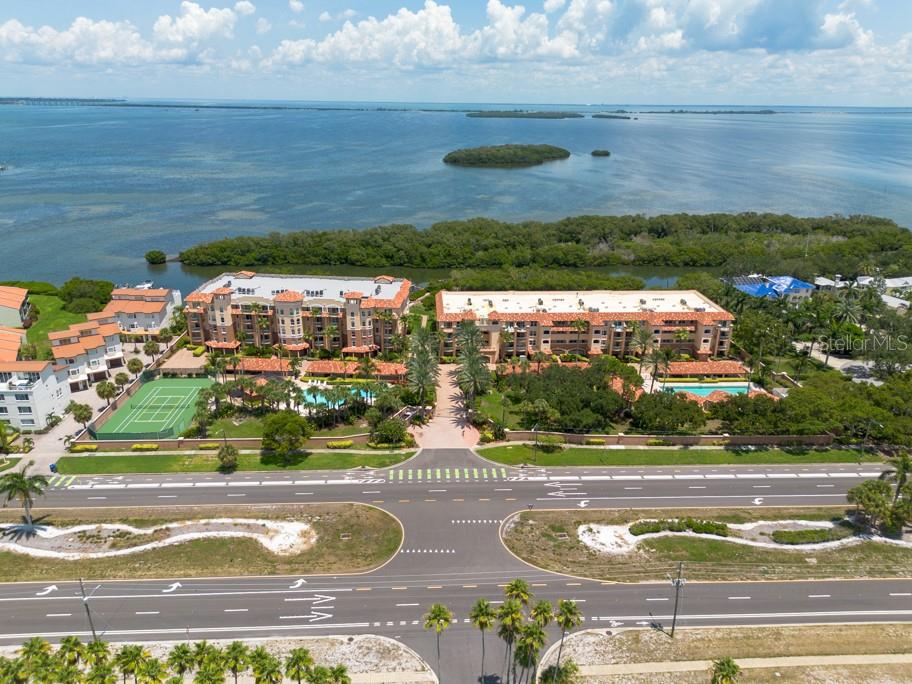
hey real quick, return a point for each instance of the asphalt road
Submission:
(451, 554)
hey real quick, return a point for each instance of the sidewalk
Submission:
(449, 428)
(746, 664)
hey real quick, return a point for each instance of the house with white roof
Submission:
(31, 392)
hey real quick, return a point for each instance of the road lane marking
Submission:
(656, 599)
(146, 612)
(407, 605)
(236, 495)
(58, 615)
(235, 610)
(902, 593)
(739, 598)
(818, 596)
(96, 498)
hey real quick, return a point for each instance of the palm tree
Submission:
(539, 358)
(64, 672)
(236, 658)
(510, 617)
(365, 368)
(105, 390)
(268, 670)
(34, 651)
(507, 339)
(180, 659)
(518, 590)
(438, 618)
(659, 362)
(725, 671)
(298, 664)
(899, 475)
(329, 332)
(129, 659)
(101, 673)
(531, 641)
(338, 674)
(567, 617)
(151, 671)
(542, 613)
(97, 653)
(642, 342)
(71, 650)
(579, 326)
(482, 616)
(135, 366)
(23, 488)
(320, 675)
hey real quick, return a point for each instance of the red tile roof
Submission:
(394, 303)
(360, 349)
(695, 368)
(137, 292)
(353, 295)
(11, 339)
(215, 344)
(329, 367)
(12, 297)
(24, 366)
(205, 297)
(250, 364)
(289, 296)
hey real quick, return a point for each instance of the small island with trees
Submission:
(506, 156)
(601, 153)
(519, 114)
(611, 116)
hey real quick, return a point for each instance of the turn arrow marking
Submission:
(297, 584)
(583, 504)
(174, 587)
(47, 590)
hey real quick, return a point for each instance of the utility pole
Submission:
(85, 603)
(678, 583)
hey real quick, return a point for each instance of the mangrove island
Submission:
(506, 156)
(601, 153)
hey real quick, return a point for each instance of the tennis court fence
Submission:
(130, 436)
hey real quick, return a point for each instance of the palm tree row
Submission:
(473, 376)
(523, 634)
(75, 662)
(422, 367)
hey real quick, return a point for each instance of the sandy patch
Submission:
(81, 542)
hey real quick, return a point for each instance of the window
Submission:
(25, 410)
(22, 397)
(3, 410)
(27, 421)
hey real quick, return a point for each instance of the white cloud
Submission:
(244, 7)
(296, 5)
(325, 16)
(194, 24)
(554, 5)
(348, 13)
(263, 26)
(85, 43)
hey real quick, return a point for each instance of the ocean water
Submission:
(89, 189)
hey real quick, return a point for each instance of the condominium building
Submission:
(587, 322)
(297, 312)
(11, 341)
(32, 391)
(88, 351)
(14, 306)
(139, 312)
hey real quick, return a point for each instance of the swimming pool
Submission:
(707, 389)
(320, 399)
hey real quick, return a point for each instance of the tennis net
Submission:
(159, 406)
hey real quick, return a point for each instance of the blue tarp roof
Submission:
(770, 287)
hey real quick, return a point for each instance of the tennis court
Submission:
(160, 409)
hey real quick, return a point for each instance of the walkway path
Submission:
(746, 664)
(449, 428)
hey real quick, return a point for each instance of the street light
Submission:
(678, 583)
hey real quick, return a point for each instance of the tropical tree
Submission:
(567, 617)
(438, 618)
(510, 619)
(482, 616)
(151, 671)
(285, 433)
(135, 366)
(330, 332)
(6, 439)
(228, 458)
(151, 348)
(121, 380)
(180, 659)
(129, 659)
(236, 658)
(106, 390)
(901, 465)
(530, 643)
(338, 674)
(507, 340)
(82, 413)
(268, 670)
(18, 486)
(34, 652)
(642, 342)
(542, 613)
(579, 327)
(539, 358)
(365, 368)
(97, 653)
(298, 664)
(518, 590)
(659, 361)
(725, 671)
(101, 673)
(71, 650)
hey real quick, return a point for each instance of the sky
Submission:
(750, 52)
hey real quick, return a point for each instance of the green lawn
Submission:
(252, 426)
(208, 463)
(517, 454)
(491, 406)
(51, 317)
(7, 462)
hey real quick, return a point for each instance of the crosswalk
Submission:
(61, 481)
(412, 475)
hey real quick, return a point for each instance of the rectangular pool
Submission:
(706, 389)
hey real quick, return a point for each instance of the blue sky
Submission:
(829, 52)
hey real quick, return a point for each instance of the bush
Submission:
(156, 256)
(208, 446)
(83, 448)
(199, 351)
(658, 442)
(144, 447)
(811, 536)
(594, 441)
(550, 444)
(486, 437)
(697, 526)
(340, 444)
(228, 458)
(391, 431)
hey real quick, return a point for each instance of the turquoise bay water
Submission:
(89, 189)
(705, 390)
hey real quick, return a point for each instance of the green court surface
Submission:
(160, 409)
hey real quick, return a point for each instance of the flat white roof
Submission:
(602, 301)
(267, 286)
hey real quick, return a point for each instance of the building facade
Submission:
(88, 352)
(587, 322)
(138, 312)
(297, 312)
(31, 392)
(14, 306)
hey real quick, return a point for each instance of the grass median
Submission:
(517, 454)
(7, 463)
(350, 538)
(208, 463)
(548, 539)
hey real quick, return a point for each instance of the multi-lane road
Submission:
(451, 504)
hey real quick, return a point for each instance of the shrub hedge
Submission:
(680, 525)
(810, 536)
(144, 447)
(340, 444)
(83, 448)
